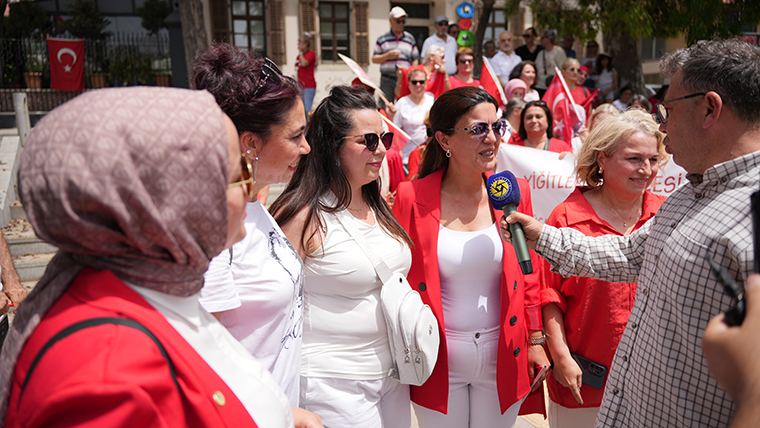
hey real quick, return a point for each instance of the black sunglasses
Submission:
(416, 82)
(465, 61)
(269, 71)
(373, 140)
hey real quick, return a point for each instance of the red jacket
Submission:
(115, 376)
(418, 209)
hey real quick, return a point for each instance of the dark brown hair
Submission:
(445, 113)
(235, 77)
(321, 171)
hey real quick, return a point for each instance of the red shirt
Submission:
(595, 312)
(306, 73)
(455, 82)
(436, 84)
(555, 145)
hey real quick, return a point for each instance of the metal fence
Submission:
(122, 59)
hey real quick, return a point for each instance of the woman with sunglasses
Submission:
(571, 71)
(256, 287)
(411, 111)
(536, 130)
(112, 335)
(465, 60)
(486, 307)
(346, 355)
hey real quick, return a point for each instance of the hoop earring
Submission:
(255, 164)
(448, 153)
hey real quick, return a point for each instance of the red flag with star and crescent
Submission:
(559, 99)
(66, 64)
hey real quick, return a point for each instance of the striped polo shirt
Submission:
(406, 45)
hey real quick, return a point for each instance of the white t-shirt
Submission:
(503, 64)
(449, 48)
(409, 117)
(259, 291)
(253, 385)
(344, 332)
(470, 266)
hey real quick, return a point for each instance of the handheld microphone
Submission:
(504, 194)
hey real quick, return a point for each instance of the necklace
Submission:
(356, 210)
(625, 222)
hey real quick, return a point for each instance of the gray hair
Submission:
(514, 104)
(730, 68)
(551, 35)
(643, 100)
(434, 50)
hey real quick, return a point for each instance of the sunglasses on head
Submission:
(480, 129)
(373, 140)
(246, 171)
(269, 71)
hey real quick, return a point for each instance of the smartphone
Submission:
(593, 372)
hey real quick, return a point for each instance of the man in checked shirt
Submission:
(659, 377)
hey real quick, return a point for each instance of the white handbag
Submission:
(412, 328)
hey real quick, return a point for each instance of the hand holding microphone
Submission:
(504, 194)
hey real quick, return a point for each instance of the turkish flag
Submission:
(66, 64)
(490, 82)
(561, 102)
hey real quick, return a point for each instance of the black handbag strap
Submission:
(94, 322)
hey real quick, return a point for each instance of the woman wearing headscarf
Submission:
(515, 88)
(486, 308)
(138, 188)
(346, 354)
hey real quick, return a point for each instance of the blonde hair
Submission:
(607, 137)
(608, 109)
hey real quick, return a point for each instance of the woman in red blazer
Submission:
(486, 308)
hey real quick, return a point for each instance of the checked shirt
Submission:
(659, 377)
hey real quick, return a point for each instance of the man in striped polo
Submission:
(396, 48)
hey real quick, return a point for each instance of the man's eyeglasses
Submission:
(662, 113)
(400, 21)
(373, 140)
(417, 82)
(246, 170)
(442, 24)
(480, 129)
(269, 71)
(465, 60)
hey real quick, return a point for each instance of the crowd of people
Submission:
(178, 299)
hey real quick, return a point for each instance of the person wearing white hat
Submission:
(395, 48)
(443, 39)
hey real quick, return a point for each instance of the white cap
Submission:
(397, 12)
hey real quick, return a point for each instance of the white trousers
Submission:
(343, 403)
(473, 397)
(563, 417)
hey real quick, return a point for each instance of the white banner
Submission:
(551, 180)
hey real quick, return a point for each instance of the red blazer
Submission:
(115, 376)
(418, 209)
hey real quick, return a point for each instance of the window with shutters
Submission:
(496, 25)
(333, 30)
(361, 32)
(248, 28)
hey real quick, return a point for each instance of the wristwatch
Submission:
(537, 340)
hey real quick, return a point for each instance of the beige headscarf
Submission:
(132, 180)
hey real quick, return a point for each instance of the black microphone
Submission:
(504, 194)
